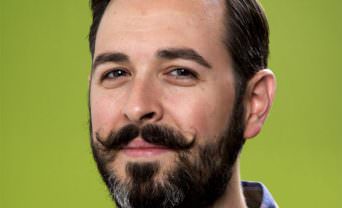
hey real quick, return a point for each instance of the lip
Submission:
(140, 148)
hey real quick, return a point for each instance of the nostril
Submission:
(148, 116)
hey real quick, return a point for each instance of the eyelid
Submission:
(104, 74)
(193, 73)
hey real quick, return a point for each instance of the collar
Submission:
(257, 195)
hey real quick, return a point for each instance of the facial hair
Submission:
(195, 181)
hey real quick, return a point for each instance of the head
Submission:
(175, 90)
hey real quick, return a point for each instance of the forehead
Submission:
(193, 10)
(166, 22)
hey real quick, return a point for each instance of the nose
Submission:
(143, 103)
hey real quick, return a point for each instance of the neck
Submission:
(233, 196)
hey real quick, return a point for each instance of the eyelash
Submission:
(189, 73)
(181, 73)
(106, 75)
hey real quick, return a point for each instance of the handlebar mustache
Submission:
(154, 134)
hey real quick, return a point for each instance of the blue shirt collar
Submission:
(257, 195)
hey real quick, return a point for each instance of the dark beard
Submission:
(196, 181)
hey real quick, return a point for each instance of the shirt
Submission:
(257, 195)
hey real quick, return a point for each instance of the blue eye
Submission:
(183, 73)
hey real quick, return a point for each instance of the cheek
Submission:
(105, 111)
(210, 119)
(205, 113)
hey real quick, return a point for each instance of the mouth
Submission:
(140, 148)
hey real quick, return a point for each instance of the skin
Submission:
(181, 93)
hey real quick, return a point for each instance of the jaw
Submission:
(233, 195)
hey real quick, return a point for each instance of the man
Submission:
(176, 88)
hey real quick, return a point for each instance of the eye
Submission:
(115, 74)
(183, 73)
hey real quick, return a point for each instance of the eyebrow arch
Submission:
(109, 57)
(183, 53)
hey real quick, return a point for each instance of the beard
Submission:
(197, 179)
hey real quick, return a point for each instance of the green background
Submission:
(45, 159)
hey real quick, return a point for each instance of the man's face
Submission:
(161, 71)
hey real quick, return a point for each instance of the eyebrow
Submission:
(110, 57)
(183, 53)
(169, 54)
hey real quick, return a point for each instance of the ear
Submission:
(258, 100)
